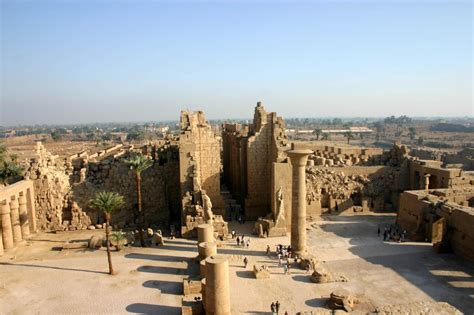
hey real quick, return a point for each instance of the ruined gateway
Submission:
(205, 177)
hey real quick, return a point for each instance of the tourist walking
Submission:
(272, 307)
(238, 241)
(246, 261)
(285, 269)
(248, 243)
(268, 250)
(277, 307)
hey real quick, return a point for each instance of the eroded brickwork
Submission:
(249, 152)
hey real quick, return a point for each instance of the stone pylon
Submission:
(298, 159)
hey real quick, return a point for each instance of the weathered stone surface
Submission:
(261, 272)
(96, 242)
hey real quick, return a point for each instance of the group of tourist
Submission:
(393, 233)
(275, 307)
(241, 240)
(284, 251)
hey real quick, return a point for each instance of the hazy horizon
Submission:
(80, 62)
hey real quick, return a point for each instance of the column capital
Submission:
(299, 157)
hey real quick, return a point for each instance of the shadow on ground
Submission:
(53, 267)
(142, 308)
(444, 277)
(165, 287)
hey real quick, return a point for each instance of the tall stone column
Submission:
(298, 201)
(24, 221)
(15, 215)
(7, 231)
(217, 286)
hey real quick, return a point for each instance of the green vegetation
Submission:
(10, 169)
(138, 163)
(317, 132)
(349, 135)
(107, 202)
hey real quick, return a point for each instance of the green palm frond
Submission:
(138, 163)
(107, 201)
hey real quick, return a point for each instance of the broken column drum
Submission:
(205, 233)
(217, 286)
(298, 159)
(207, 249)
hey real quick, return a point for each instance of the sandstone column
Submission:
(24, 221)
(298, 200)
(205, 233)
(30, 201)
(217, 286)
(207, 249)
(15, 215)
(426, 182)
(7, 231)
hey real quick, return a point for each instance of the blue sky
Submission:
(88, 61)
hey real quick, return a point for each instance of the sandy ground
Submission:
(36, 279)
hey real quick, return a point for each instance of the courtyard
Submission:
(38, 278)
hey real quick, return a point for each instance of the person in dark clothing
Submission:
(272, 307)
(277, 307)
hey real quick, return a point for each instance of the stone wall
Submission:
(200, 158)
(64, 187)
(434, 175)
(336, 189)
(343, 155)
(443, 216)
(249, 152)
(160, 195)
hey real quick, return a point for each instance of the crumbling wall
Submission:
(258, 146)
(160, 195)
(199, 172)
(64, 187)
(51, 178)
(440, 216)
(336, 189)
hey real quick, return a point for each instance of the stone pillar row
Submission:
(14, 221)
(214, 269)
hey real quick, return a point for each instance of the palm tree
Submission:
(349, 135)
(326, 136)
(317, 132)
(107, 202)
(412, 132)
(138, 163)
